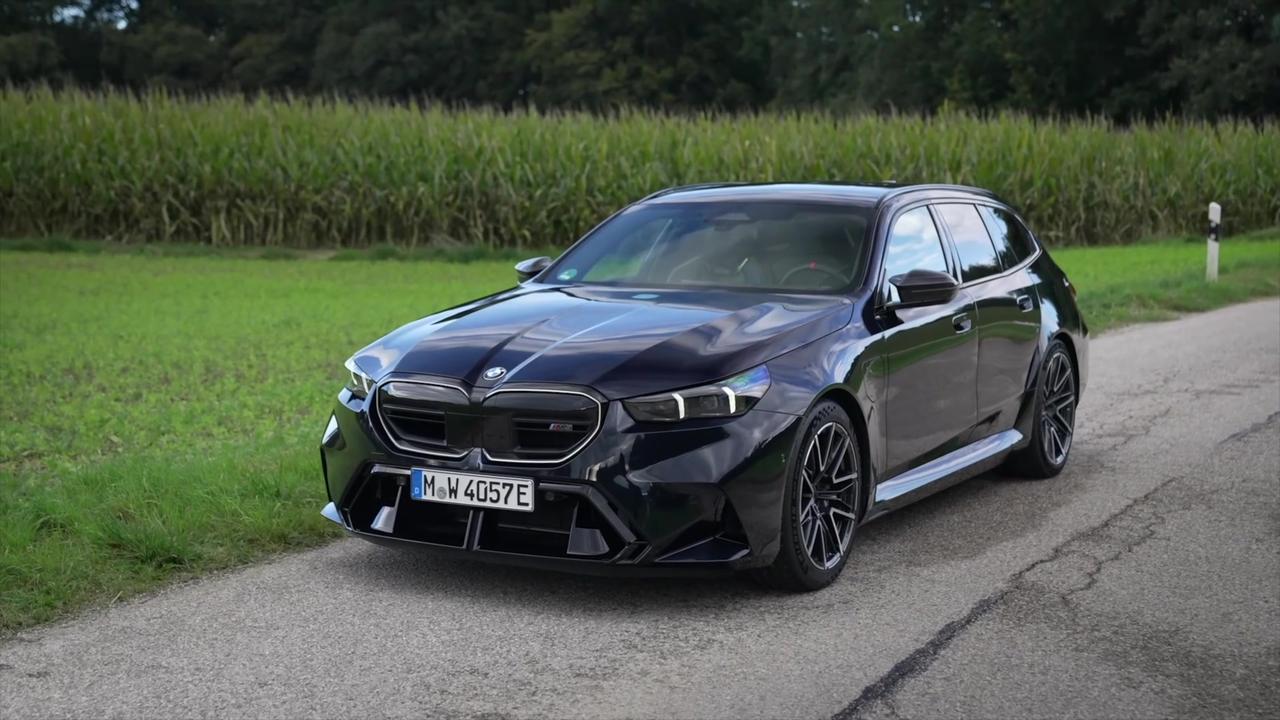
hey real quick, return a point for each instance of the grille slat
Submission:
(414, 413)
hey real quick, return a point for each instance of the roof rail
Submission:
(904, 189)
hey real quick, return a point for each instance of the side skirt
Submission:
(935, 475)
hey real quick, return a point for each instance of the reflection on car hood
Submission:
(622, 342)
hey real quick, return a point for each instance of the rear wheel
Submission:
(1055, 418)
(822, 504)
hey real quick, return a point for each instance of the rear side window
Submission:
(977, 255)
(1008, 232)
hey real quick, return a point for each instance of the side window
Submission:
(977, 255)
(914, 244)
(1010, 235)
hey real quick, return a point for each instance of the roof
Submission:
(857, 193)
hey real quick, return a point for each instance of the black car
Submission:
(729, 377)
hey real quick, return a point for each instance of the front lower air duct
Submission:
(385, 521)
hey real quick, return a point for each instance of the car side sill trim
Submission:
(947, 465)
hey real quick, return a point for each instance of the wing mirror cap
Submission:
(920, 288)
(528, 269)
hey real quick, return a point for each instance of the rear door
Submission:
(1007, 311)
(930, 353)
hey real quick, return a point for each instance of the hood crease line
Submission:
(562, 340)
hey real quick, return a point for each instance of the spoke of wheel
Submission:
(836, 453)
(1062, 418)
(820, 451)
(835, 533)
(808, 482)
(844, 479)
(844, 513)
(811, 533)
(845, 506)
(1060, 427)
(1062, 375)
(822, 540)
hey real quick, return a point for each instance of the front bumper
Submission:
(647, 499)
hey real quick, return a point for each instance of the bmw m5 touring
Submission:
(718, 377)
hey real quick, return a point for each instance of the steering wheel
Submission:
(704, 267)
(814, 267)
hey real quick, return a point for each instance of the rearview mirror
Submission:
(527, 269)
(919, 288)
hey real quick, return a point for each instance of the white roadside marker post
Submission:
(1215, 227)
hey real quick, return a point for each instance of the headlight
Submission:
(728, 398)
(357, 381)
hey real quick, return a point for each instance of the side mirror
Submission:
(919, 288)
(527, 269)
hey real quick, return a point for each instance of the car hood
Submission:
(622, 342)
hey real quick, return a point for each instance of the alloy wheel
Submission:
(828, 498)
(1058, 411)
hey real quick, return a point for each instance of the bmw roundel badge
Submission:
(494, 373)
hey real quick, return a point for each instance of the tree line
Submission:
(1123, 59)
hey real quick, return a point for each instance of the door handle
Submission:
(1025, 303)
(962, 323)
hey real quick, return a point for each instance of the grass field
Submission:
(230, 171)
(160, 415)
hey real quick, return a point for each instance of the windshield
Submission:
(780, 246)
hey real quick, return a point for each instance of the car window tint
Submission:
(914, 244)
(763, 245)
(999, 238)
(625, 259)
(973, 244)
(1008, 232)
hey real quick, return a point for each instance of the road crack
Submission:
(1128, 528)
(1119, 535)
(1252, 429)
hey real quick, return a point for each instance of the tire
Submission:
(822, 504)
(1055, 414)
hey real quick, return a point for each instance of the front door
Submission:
(930, 355)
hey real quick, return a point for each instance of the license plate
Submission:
(485, 491)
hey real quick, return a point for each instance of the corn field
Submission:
(330, 173)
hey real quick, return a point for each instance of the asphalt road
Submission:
(1143, 582)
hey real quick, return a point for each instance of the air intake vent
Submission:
(538, 426)
(426, 418)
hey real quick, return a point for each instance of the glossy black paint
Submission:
(918, 382)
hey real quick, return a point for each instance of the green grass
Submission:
(159, 416)
(1156, 281)
(230, 171)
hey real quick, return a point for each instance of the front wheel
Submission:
(822, 504)
(1055, 418)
